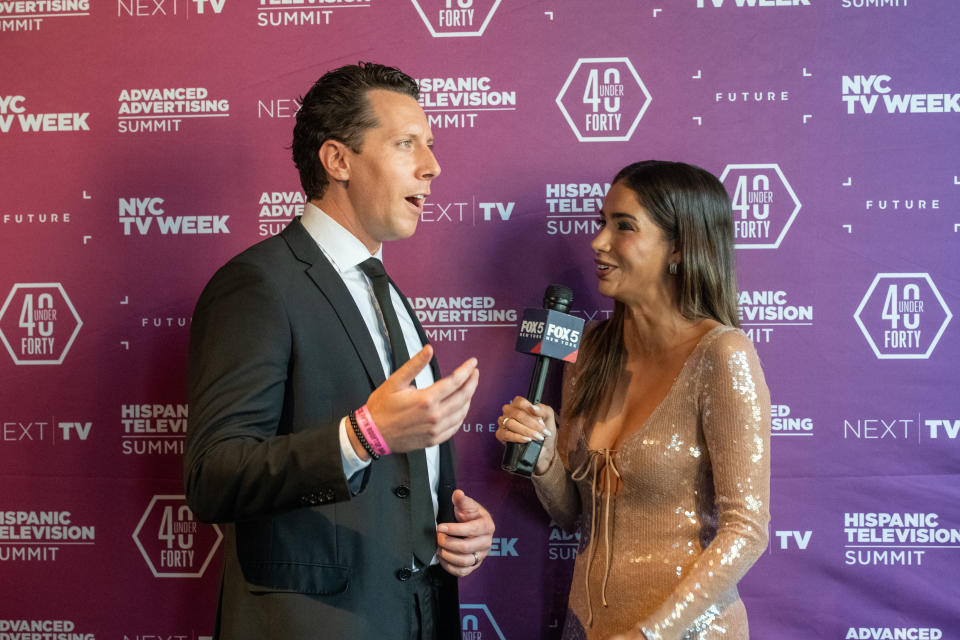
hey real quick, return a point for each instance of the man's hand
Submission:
(465, 543)
(411, 418)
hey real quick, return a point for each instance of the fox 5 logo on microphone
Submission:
(549, 333)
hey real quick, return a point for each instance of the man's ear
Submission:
(333, 157)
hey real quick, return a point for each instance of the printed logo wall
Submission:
(137, 166)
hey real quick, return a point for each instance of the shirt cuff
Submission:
(352, 463)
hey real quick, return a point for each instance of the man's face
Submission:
(390, 178)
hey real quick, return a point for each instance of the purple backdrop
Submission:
(144, 144)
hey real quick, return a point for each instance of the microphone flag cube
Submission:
(544, 332)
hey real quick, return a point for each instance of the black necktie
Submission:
(424, 520)
(381, 289)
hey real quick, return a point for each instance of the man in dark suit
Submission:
(327, 535)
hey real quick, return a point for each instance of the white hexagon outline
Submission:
(486, 611)
(902, 356)
(783, 179)
(66, 298)
(455, 34)
(633, 127)
(146, 556)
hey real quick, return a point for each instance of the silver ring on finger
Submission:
(476, 558)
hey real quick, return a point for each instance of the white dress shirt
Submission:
(345, 252)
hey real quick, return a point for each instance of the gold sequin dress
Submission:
(671, 520)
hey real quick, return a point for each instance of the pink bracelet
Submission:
(370, 431)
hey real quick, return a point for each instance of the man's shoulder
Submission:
(270, 260)
(265, 250)
(291, 244)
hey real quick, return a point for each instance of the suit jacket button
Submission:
(404, 574)
(403, 491)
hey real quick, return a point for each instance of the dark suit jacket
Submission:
(278, 355)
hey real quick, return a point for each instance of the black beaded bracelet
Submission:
(363, 441)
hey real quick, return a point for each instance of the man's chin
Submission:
(405, 230)
(408, 228)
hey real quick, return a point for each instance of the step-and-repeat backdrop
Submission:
(144, 142)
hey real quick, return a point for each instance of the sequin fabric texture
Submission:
(678, 513)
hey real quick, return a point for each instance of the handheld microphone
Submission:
(550, 334)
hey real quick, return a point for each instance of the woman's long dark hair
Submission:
(693, 209)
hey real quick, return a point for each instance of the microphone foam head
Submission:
(558, 297)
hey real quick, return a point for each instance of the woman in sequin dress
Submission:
(661, 456)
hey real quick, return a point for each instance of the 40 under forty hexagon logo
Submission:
(603, 99)
(172, 542)
(456, 18)
(477, 623)
(902, 315)
(764, 205)
(38, 323)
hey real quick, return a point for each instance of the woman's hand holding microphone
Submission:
(521, 421)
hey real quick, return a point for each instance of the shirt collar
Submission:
(343, 249)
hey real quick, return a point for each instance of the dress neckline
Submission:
(705, 339)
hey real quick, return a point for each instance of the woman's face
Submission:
(631, 252)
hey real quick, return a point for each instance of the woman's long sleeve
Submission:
(734, 407)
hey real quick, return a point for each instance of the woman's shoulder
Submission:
(724, 336)
(723, 341)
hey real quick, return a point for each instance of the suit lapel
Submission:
(331, 285)
(335, 291)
